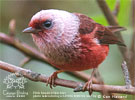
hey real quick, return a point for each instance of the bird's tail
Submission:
(116, 28)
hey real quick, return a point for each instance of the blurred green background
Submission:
(23, 10)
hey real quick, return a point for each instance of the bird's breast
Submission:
(58, 51)
(75, 56)
(60, 54)
(88, 58)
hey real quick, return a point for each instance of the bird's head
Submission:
(53, 24)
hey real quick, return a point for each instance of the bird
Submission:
(71, 41)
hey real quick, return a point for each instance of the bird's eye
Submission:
(47, 24)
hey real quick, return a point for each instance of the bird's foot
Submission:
(51, 80)
(89, 86)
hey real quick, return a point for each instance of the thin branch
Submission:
(12, 25)
(126, 74)
(61, 82)
(25, 61)
(117, 8)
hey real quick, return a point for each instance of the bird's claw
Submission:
(89, 85)
(51, 80)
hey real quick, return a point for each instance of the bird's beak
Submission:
(30, 30)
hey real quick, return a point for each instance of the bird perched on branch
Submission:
(71, 41)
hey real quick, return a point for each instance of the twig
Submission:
(25, 61)
(61, 82)
(12, 25)
(126, 74)
(117, 8)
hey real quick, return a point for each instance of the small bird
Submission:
(71, 41)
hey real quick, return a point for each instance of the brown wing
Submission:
(103, 34)
(116, 28)
(106, 36)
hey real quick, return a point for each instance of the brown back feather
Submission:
(103, 34)
(87, 25)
